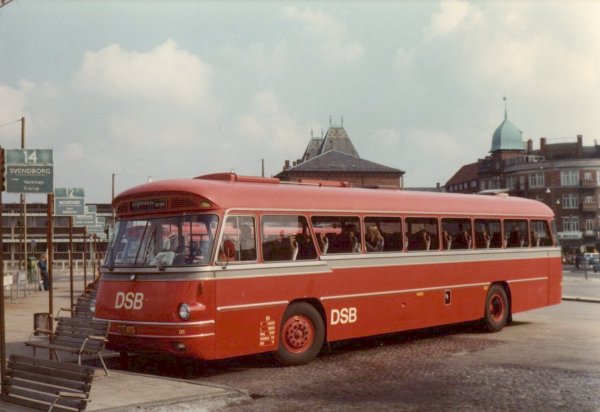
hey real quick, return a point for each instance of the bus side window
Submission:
(287, 238)
(239, 240)
(487, 234)
(338, 234)
(456, 234)
(383, 234)
(540, 233)
(422, 233)
(516, 233)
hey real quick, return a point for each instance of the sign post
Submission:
(70, 202)
(28, 171)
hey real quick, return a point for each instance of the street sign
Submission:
(69, 201)
(88, 218)
(85, 220)
(29, 171)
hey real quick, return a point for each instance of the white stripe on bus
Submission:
(167, 324)
(252, 305)
(177, 337)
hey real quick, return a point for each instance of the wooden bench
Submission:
(43, 385)
(78, 335)
(82, 307)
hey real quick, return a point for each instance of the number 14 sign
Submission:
(29, 171)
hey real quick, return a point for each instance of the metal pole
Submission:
(49, 235)
(85, 260)
(95, 255)
(24, 201)
(2, 320)
(71, 259)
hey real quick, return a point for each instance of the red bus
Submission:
(225, 265)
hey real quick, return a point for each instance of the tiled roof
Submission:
(335, 161)
(466, 173)
(312, 150)
(337, 139)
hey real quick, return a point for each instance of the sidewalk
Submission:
(121, 391)
(581, 286)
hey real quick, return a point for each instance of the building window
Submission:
(589, 225)
(571, 224)
(569, 178)
(483, 185)
(522, 182)
(536, 180)
(587, 176)
(473, 184)
(570, 201)
(511, 182)
(588, 200)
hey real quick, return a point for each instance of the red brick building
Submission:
(565, 175)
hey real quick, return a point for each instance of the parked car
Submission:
(588, 259)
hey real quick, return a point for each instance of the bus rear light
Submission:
(184, 311)
(93, 306)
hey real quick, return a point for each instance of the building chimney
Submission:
(529, 146)
(287, 165)
(579, 140)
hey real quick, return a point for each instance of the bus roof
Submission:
(230, 191)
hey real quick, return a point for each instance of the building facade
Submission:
(332, 157)
(565, 176)
(18, 244)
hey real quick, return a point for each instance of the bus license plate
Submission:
(126, 329)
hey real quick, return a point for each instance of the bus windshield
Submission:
(162, 242)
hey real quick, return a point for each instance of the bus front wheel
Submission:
(496, 308)
(301, 335)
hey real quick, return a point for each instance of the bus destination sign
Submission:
(69, 201)
(148, 205)
(29, 171)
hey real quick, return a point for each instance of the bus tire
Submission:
(497, 309)
(301, 335)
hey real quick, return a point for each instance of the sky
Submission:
(167, 89)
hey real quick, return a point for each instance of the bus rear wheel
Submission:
(496, 309)
(301, 335)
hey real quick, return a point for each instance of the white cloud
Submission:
(329, 33)
(268, 130)
(259, 58)
(164, 73)
(450, 16)
(13, 101)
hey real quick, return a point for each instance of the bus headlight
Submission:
(93, 306)
(184, 311)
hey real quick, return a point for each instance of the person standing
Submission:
(43, 266)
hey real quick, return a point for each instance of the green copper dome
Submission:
(507, 137)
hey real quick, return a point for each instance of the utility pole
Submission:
(24, 203)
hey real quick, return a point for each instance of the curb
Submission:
(186, 403)
(228, 395)
(580, 299)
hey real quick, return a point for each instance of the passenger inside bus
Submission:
(374, 241)
(347, 241)
(420, 240)
(447, 240)
(463, 238)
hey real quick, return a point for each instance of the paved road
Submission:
(548, 359)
